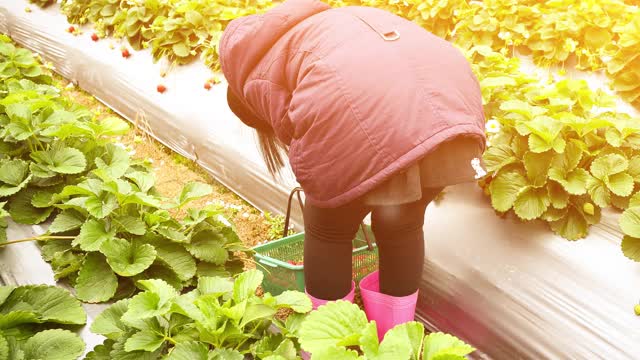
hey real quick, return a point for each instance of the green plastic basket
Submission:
(279, 275)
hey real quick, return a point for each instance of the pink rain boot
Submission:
(387, 311)
(319, 302)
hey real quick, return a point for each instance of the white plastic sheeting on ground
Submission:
(513, 290)
(21, 264)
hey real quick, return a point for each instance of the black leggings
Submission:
(399, 235)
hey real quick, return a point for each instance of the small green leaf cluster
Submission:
(33, 320)
(123, 231)
(17, 64)
(340, 330)
(222, 318)
(3, 222)
(43, 3)
(179, 30)
(437, 16)
(630, 225)
(562, 153)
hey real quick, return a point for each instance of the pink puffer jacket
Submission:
(358, 93)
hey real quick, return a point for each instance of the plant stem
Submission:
(38, 238)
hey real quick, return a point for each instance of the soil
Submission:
(173, 172)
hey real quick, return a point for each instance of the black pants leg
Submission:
(400, 238)
(328, 247)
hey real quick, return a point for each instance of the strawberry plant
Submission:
(340, 330)
(42, 3)
(624, 66)
(3, 222)
(630, 225)
(562, 152)
(17, 63)
(221, 319)
(75, 10)
(33, 320)
(121, 231)
(138, 17)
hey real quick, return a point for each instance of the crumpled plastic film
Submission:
(517, 291)
(513, 290)
(22, 264)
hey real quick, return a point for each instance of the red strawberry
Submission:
(125, 53)
(94, 37)
(161, 88)
(207, 85)
(71, 29)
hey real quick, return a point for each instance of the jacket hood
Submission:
(246, 40)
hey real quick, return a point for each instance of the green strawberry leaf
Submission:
(554, 214)
(497, 157)
(557, 195)
(295, 300)
(115, 161)
(93, 234)
(599, 192)
(620, 184)
(613, 137)
(54, 344)
(225, 354)
(193, 191)
(635, 200)
(569, 159)
(333, 352)
(13, 172)
(96, 281)
(130, 224)
(443, 346)
(144, 340)
(215, 285)
(634, 168)
(101, 206)
(208, 246)
(408, 335)
(531, 203)
(631, 248)
(111, 126)
(67, 220)
(126, 258)
(4, 348)
(246, 285)
(109, 323)
(337, 323)
(61, 160)
(505, 188)
(572, 226)
(102, 351)
(48, 303)
(176, 258)
(574, 182)
(23, 212)
(189, 350)
(144, 180)
(149, 304)
(537, 166)
(607, 165)
(630, 222)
